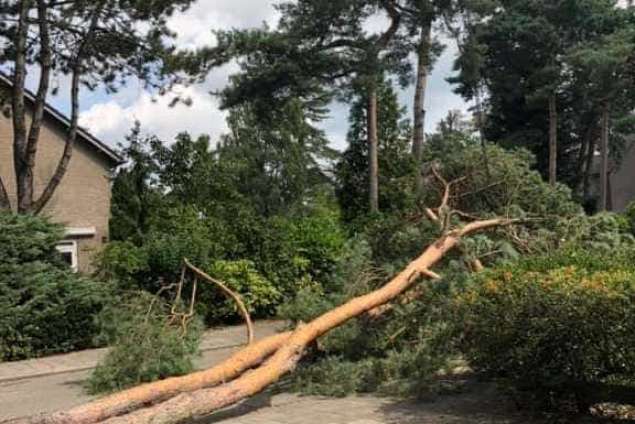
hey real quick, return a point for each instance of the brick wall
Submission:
(83, 197)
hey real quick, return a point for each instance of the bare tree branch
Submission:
(231, 294)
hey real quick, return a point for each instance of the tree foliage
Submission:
(523, 52)
(94, 43)
(147, 343)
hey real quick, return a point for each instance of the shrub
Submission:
(553, 325)
(291, 249)
(259, 295)
(147, 344)
(44, 307)
(122, 262)
(181, 233)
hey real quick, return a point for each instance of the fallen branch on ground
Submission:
(206, 401)
(197, 394)
(228, 292)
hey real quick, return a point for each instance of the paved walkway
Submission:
(214, 339)
(55, 383)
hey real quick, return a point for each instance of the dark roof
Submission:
(82, 133)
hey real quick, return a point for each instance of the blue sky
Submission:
(110, 116)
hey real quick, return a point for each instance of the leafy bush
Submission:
(554, 324)
(291, 249)
(283, 253)
(122, 262)
(147, 344)
(44, 307)
(259, 295)
(181, 233)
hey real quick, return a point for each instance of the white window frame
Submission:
(69, 246)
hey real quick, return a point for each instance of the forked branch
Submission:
(230, 293)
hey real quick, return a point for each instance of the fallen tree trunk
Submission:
(150, 393)
(145, 394)
(206, 401)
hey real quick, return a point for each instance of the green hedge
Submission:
(44, 307)
(555, 325)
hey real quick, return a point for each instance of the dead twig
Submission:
(228, 292)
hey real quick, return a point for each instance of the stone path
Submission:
(479, 404)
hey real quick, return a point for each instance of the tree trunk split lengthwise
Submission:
(194, 395)
(195, 400)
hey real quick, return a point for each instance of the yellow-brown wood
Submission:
(206, 401)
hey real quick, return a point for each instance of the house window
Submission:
(68, 250)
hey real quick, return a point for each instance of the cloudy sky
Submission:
(110, 117)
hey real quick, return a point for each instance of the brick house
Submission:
(82, 200)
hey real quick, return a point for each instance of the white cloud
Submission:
(110, 117)
(111, 121)
(194, 27)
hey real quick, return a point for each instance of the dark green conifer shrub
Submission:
(44, 307)
(147, 343)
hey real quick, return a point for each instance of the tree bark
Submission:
(604, 158)
(373, 149)
(39, 104)
(24, 179)
(390, 6)
(585, 145)
(553, 139)
(206, 401)
(136, 397)
(423, 68)
(5, 203)
(589, 166)
(62, 165)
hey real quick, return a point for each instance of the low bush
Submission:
(147, 344)
(122, 262)
(259, 295)
(44, 307)
(554, 325)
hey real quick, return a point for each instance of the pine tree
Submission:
(395, 161)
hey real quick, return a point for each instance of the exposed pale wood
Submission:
(206, 401)
(136, 397)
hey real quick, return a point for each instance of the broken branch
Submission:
(231, 294)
